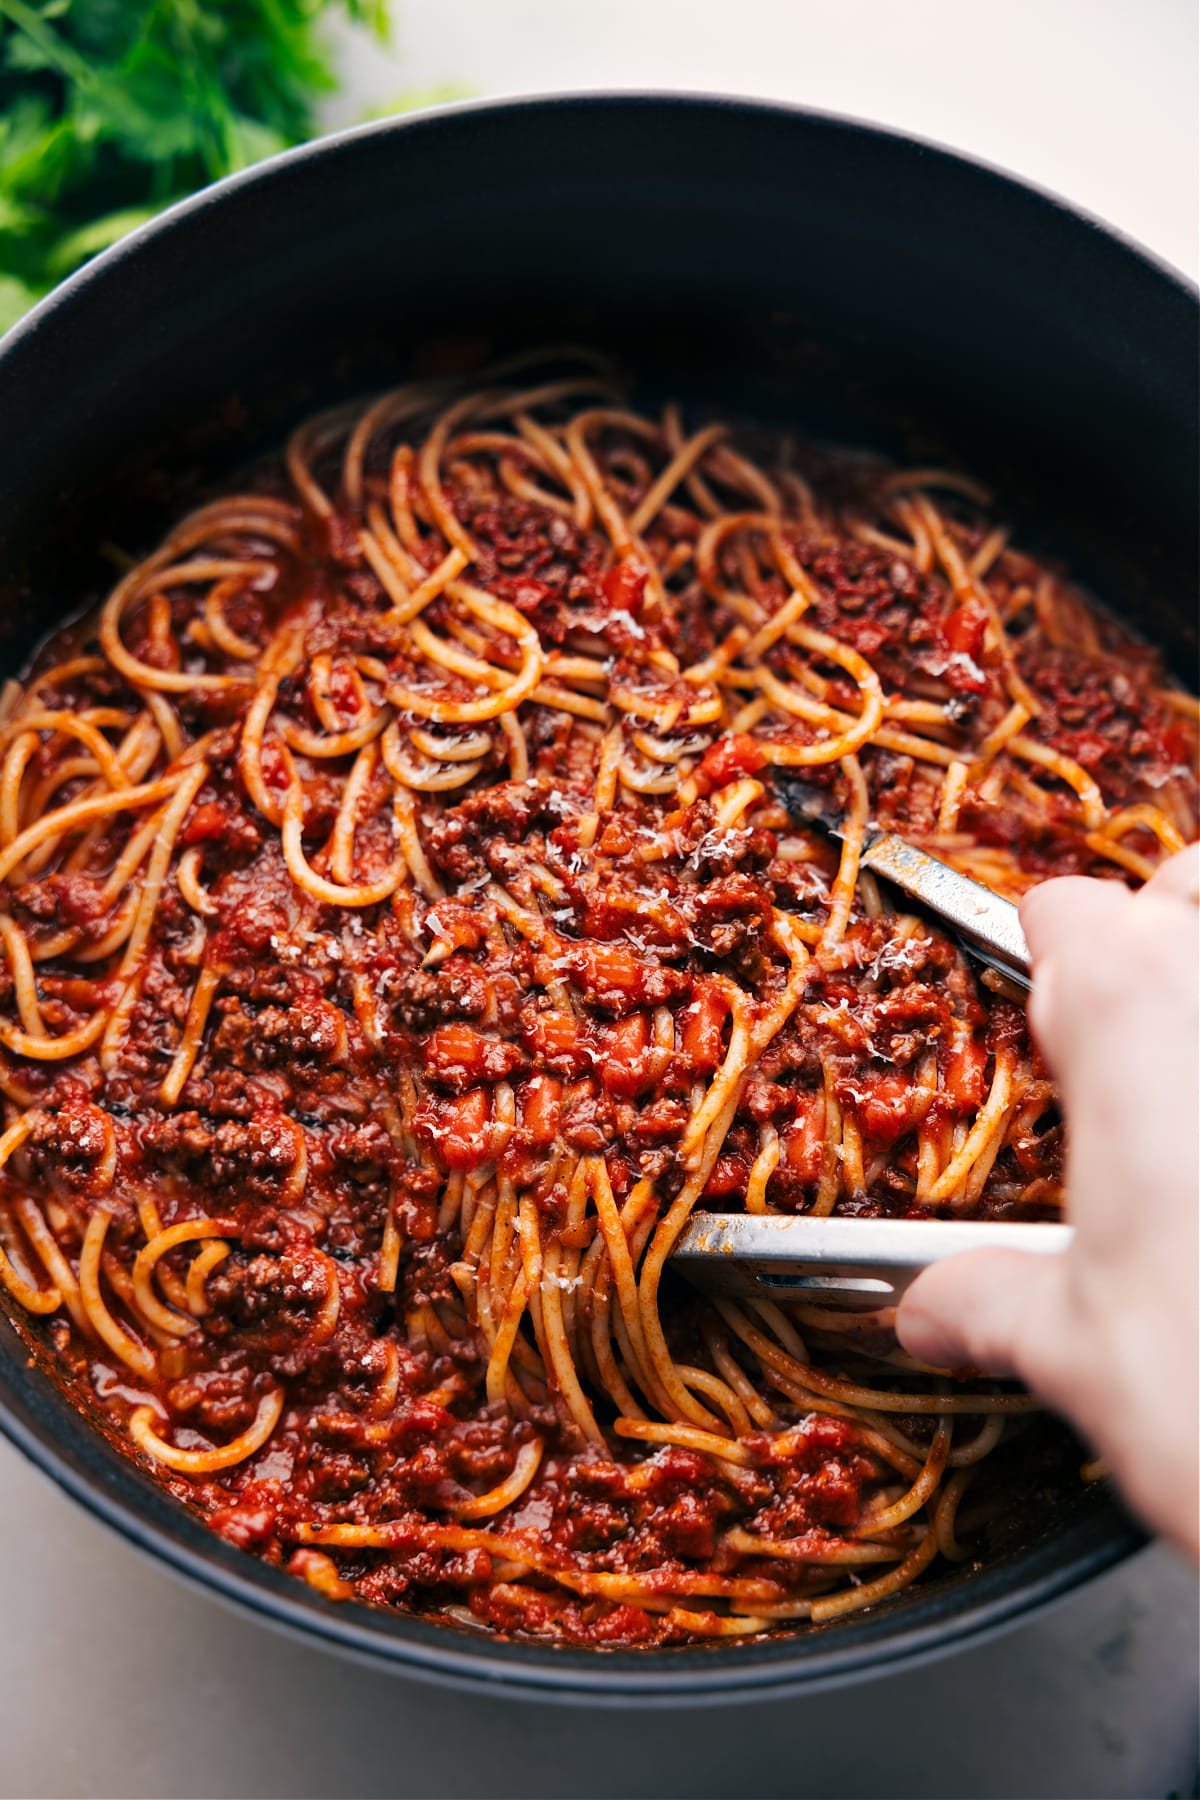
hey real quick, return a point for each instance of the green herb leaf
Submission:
(110, 109)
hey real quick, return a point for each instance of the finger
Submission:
(981, 1311)
(1070, 925)
(1055, 912)
(1178, 878)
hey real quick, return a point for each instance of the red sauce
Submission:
(322, 1013)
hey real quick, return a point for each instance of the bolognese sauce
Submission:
(404, 930)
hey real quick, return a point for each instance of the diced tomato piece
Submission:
(703, 1018)
(458, 1056)
(207, 821)
(625, 585)
(461, 1133)
(883, 1104)
(623, 1055)
(607, 972)
(728, 760)
(964, 630)
(804, 1140)
(963, 1073)
(541, 1109)
(730, 1175)
(551, 1033)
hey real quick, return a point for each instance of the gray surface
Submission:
(116, 1680)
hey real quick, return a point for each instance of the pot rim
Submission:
(160, 1528)
(433, 118)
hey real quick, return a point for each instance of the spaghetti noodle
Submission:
(402, 934)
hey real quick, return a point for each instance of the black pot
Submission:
(771, 264)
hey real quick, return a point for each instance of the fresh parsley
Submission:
(112, 109)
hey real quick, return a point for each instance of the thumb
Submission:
(992, 1310)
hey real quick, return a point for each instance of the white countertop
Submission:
(115, 1679)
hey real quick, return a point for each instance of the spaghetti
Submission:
(402, 934)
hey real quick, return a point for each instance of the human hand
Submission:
(1107, 1334)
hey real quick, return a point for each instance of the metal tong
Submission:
(988, 925)
(866, 1264)
(858, 1265)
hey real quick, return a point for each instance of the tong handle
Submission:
(988, 924)
(860, 1264)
